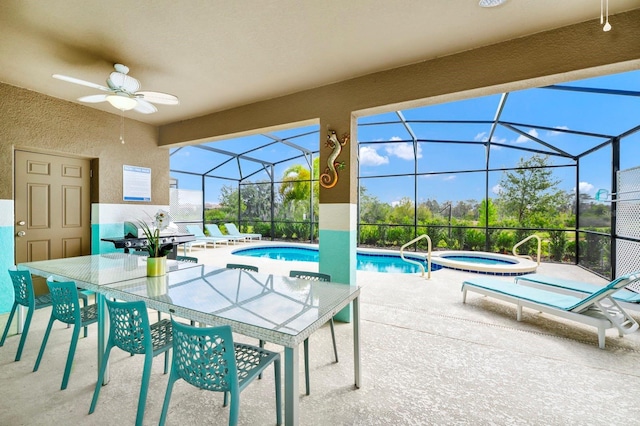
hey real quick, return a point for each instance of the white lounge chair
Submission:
(233, 231)
(202, 238)
(626, 298)
(214, 231)
(597, 309)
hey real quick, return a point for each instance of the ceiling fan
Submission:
(122, 92)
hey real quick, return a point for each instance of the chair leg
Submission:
(25, 330)
(103, 368)
(70, 356)
(333, 338)
(144, 387)
(261, 343)
(167, 397)
(306, 366)
(166, 361)
(6, 328)
(276, 367)
(44, 344)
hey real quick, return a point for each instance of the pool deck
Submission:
(427, 359)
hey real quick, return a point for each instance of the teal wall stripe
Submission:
(7, 255)
(7, 249)
(103, 230)
(337, 250)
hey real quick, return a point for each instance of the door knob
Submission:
(21, 223)
(21, 234)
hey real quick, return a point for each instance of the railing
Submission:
(421, 237)
(524, 241)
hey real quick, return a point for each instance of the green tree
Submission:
(530, 192)
(487, 209)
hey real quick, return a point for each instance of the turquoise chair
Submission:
(129, 329)
(66, 308)
(189, 259)
(314, 276)
(23, 295)
(242, 267)
(207, 358)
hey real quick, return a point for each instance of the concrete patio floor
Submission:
(427, 359)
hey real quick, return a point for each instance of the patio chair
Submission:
(129, 330)
(242, 266)
(215, 231)
(207, 358)
(314, 276)
(23, 295)
(188, 259)
(202, 238)
(233, 231)
(598, 309)
(628, 299)
(66, 309)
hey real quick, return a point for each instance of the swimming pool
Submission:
(366, 261)
(391, 262)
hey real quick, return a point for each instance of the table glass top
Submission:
(272, 302)
(99, 269)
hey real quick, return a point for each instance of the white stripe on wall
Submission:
(338, 217)
(115, 213)
(6, 213)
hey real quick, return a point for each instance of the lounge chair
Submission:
(626, 298)
(233, 231)
(597, 309)
(214, 231)
(201, 238)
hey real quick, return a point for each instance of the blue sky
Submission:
(392, 153)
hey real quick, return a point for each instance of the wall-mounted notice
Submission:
(136, 183)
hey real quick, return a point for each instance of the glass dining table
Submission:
(273, 308)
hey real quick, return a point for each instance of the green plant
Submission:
(154, 247)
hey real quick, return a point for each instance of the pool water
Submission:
(373, 262)
(478, 259)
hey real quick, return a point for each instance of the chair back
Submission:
(231, 229)
(129, 326)
(195, 230)
(64, 299)
(22, 287)
(605, 292)
(187, 259)
(243, 267)
(312, 276)
(213, 229)
(205, 357)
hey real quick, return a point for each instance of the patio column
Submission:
(338, 216)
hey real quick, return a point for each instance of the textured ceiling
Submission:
(220, 54)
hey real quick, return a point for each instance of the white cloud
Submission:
(395, 203)
(497, 189)
(452, 177)
(523, 139)
(585, 187)
(555, 133)
(403, 150)
(482, 136)
(370, 157)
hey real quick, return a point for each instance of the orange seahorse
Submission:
(330, 176)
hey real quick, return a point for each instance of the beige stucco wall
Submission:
(32, 121)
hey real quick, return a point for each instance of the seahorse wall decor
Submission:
(330, 176)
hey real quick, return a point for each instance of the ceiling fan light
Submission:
(122, 102)
(491, 3)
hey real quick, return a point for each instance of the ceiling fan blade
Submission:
(81, 82)
(158, 98)
(93, 99)
(144, 107)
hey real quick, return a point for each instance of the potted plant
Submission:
(157, 260)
